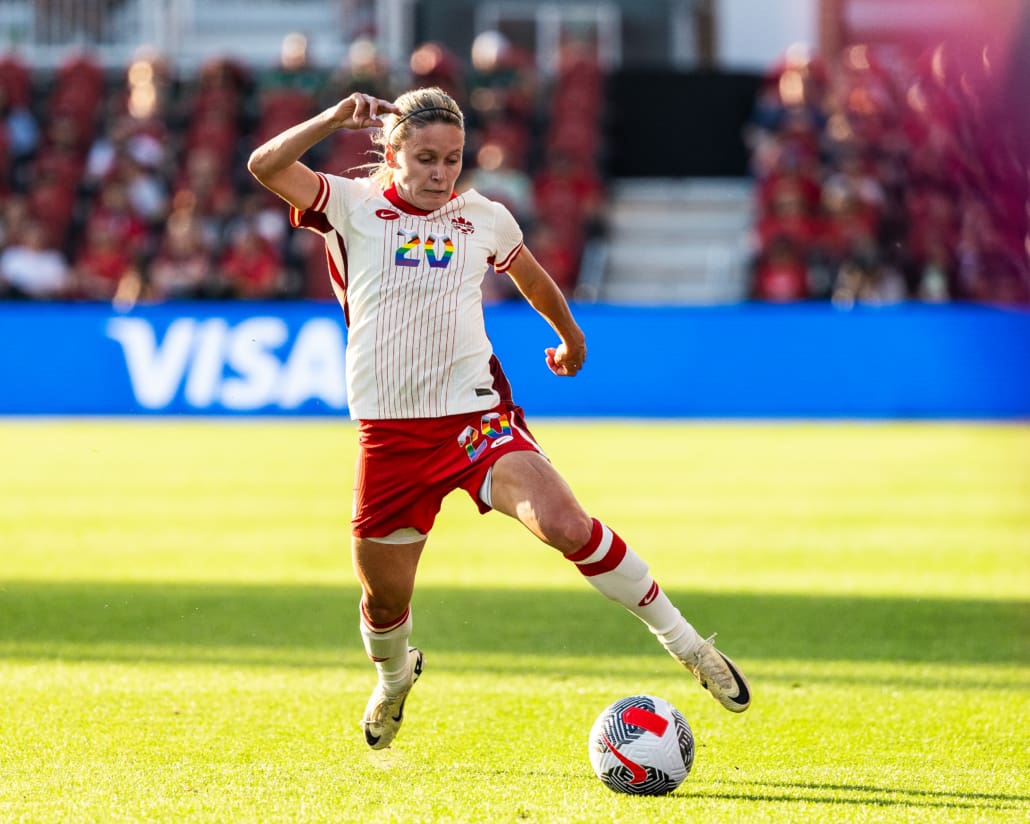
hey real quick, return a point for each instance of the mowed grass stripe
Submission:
(178, 627)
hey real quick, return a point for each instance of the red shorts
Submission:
(406, 467)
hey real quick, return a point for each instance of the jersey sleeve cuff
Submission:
(505, 263)
(314, 216)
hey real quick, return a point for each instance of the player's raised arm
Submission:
(543, 294)
(276, 163)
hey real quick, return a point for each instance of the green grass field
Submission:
(178, 628)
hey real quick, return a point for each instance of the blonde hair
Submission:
(418, 108)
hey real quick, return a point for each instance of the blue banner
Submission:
(198, 358)
(747, 361)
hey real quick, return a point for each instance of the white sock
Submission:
(618, 573)
(387, 646)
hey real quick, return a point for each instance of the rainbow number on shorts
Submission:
(439, 249)
(495, 424)
(475, 442)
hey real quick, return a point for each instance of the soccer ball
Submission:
(642, 745)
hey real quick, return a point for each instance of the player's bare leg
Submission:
(526, 486)
(386, 571)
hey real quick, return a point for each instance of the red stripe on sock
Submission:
(588, 548)
(611, 559)
(389, 625)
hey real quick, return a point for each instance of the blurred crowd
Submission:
(884, 178)
(132, 185)
(880, 178)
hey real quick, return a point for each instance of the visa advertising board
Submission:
(746, 361)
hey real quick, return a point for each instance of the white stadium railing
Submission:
(45, 32)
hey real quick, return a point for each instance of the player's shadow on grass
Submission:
(311, 624)
(860, 794)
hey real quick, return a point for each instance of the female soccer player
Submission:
(435, 412)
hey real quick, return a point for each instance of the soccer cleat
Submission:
(720, 676)
(384, 713)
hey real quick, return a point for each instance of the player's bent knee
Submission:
(568, 531)
(383, 611)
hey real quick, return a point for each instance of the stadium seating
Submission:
(124, 153)
(884, 177)
(878, 177)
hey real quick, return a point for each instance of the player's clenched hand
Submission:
(565, 361)
(361, 111)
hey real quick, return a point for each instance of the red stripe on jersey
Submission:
(588, 548)
(611, 559)
(505, 264)
(322, 198)
(340, 277)
(334, 273)
(313, 217)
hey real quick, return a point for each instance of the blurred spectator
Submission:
(206, 188)
(147, 189)
(251, 267)
(569, 187)
(221, 88)
(781, 274)
(52, 204)
(109, 145)
(113, 215)
(182, 267)
(19, 125)
(556, 254)
(854, 180)
(15, 216)
(433, 64)
(289, 92)
(138, 122)
(851, 229)
(502, 81)
(16, 80)
(361, 70)
(934, 278)
(789, 216)
(104, 266)
(502, 89)
(494, 177)
(295, 72)
(32, 267)
(262, 212)
(859, 282)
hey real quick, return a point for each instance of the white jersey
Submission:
(410, 285)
